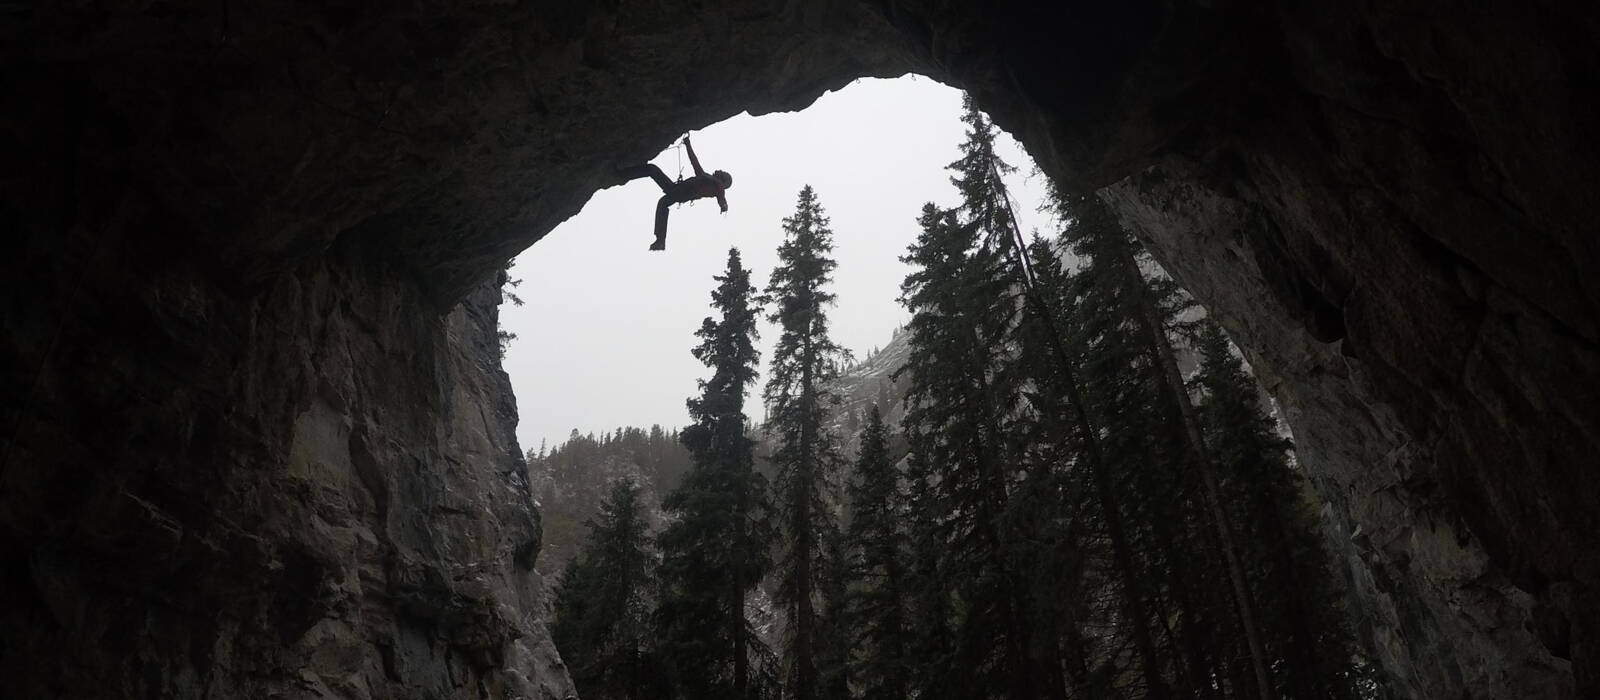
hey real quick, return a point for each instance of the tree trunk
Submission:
(741, 654)
(1121, 550)
(805, 480)
(1165, 358)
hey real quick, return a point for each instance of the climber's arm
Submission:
(693, 160)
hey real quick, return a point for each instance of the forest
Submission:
(1074, 489)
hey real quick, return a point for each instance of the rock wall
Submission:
(1399, 239)
(256, 439)
(306, 492)
(1441, 615)
(258, 445)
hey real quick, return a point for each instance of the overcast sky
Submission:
(604, 336)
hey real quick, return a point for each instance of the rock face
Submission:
(1403, 245)
(306, 493)
(256, 443)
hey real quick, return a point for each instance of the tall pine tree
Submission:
(1069, 536)
(715, 550)
(1202, 583)
(1314, 653)
(881, 660)
(965, 461)
(807, 456)
(603, 602)
(1142, 305)
(1169, 543)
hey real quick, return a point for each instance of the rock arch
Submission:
(260, 443)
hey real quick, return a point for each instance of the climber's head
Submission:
(723, 178)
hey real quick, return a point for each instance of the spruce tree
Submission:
(714, 551)
(1314, 651)
(799, 400)
(1068, 547)
(881, 662)
(1067, 532)
(1114, 321)
(1205, 584)
(985, 208)
(1115, 265)
(957, 410)
(835, 626)
(974, 477)
(1060, 393)
(603, 603)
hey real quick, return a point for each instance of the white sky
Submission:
(604, 336)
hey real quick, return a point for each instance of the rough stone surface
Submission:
(256, 444)
(308, 493)
(1402, 243)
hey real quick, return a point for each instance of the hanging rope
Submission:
(1019, 244)
(1093, 452)
(1208, 478)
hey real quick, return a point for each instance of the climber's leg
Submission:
(662, 206)
(647, 170)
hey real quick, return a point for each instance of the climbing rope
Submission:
(1019, 243)
(679, 148)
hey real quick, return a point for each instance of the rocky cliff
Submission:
(1413, 217)
(300, 493)
(255, 443)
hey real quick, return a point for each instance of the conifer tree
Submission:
(973, 473)
(1205, 583)
(714, 552)
(1060, 397)
(938, 433)
(984, 207)
(603, 603)
(1116, 321)
(1067, 531)
(1140, 305)
(881, 664)
(835, 626)
(958, 406)
(1066, 547)
(930, 602)
(1291, 573)
(799, 399)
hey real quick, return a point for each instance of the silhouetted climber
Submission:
(700, 186)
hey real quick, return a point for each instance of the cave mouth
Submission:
(578, 470)
(246, 309)
(874, 151)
